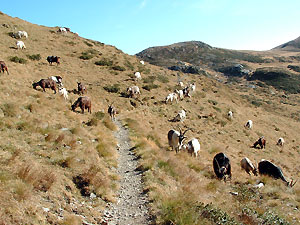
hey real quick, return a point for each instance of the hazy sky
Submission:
(134, 25)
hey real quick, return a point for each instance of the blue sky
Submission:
(134, 25)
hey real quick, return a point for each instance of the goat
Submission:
(112, 112)
(249, 124)
(45, 83)
(180, 116)
(57, 79)
(261, 142)
(171, 97)
(63, 91)
(62, 30)
(81, 89)
(20, 45)
(186, 92)
(51, 59)
(142, 62)
(83, 102)
(3, 67)
(192, 86)
(21, 34)
(193, 147)
(265, 167)
(137, 76)
(280, 141)
(248, 166)
(222, 166)
(176, 138)
(180, 83)
(133, 91)
(230, 115)
(180, 94)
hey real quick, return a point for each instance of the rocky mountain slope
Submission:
(59, 167)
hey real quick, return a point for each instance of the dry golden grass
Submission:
(44, 145)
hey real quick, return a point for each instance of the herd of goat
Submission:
(221, 163)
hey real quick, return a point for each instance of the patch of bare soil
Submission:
(131, 206)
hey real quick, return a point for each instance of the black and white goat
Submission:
(265, 167)
(176, 138)
(222, 166)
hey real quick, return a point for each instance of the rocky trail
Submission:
(131, 206)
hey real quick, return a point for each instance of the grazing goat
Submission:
(137, 76)
(180, 94)
(186, 92)
(280, 141)
(230, 115)
(193, 147)
(248, 166)
(20, 45)
(249, 124)
(133, 91)
(63, 91)
(57, 79)
(180, 116)
(171, 97)
(21, 34)
(45, 83)
(222, 166)
(265, 167)
(3, 67)
(261, 142)
(176, 138)
(51, 59)
(192, 87)
(142, 62)
(112, 112)
(180, 83)
(62, 30)
(83, 102)
(81, 89)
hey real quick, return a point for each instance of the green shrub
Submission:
(16, 59)
(88, 54)
(9, 109)
(118, 68)
(163, 79)
(88, 44)
(149, 80)
(129, 65)
(148, 87)
(34, 57)
(112, 88)
(104, 62)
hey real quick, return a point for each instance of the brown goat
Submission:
(83, 102)
(45, 83)
(3, 67)
(112, 112)
(261, 142)
(81, 89)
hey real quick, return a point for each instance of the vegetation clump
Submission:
(16, 59)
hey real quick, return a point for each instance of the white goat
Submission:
(230, 115)
(180, 83)
(192, 87)
(132, 91)
(171, 97)
(137, 76)
(21, 34)
(180, 116)
(280, 141)
(180, 94)
(193, 147)
(63, 91)
(249, 124)
(21, 45)
(142, 62)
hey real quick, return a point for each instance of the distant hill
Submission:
(293, 45)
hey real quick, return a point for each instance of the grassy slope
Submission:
(32, 138)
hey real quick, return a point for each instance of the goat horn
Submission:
(186, 130)
(291, 184)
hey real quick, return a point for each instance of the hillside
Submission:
(293, 46)
(52, 159)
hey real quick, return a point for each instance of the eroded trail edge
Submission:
(131, 205)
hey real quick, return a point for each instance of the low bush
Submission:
(104, 62)
(118, 68)
(16, 59)
(112, 88)
(34, 57)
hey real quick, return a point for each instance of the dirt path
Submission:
(131, 205)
